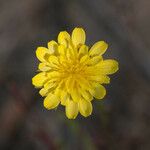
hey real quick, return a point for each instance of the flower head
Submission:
(72, 74)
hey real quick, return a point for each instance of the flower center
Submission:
(73, 68)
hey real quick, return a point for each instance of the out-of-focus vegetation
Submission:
(121, 121)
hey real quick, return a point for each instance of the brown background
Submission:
(121, 121)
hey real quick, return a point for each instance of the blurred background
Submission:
(121, 121)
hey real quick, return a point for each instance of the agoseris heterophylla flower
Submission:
(72, 74)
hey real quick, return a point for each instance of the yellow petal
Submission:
(52, 47)
(41, 52)
(86, 95)
(100, 78)
(43, 92)
(57, 92)
(75, 95)
(69, 84)
(39, 79)
(83, 51)
(94, 60)
(53, 59)
(51, 101)
(78, 36)
(84, 59)
(53, 74)
(71, 109)
(50, 85)
(85, 107)
(64, 96)
(62, 59)
(98, 48)
(84, 83)
(64, 38)
(70, 53)
(44, 67)
(99, 91)
(62, 50)
(108, 66)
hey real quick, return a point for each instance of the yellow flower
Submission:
(71, 73)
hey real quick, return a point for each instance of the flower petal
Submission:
(99, 91)
(83, 51)
(64, 96)
(50, 85)
(71, 109)
(86, 95)
(108, 66)
(95, 60)
(53, 74)
(41, 52)
(44, 67)
(84, 59)
(62, 50)
(78, 36)
(70, 54)
(75, 94)
(100, 78)
(53, 60)
(64, 38)
(98, 48)
(52, 47)
(69, 84)
(43, 92)
(39, 79)
(51, 101)
(84, 83)
(85, 107)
